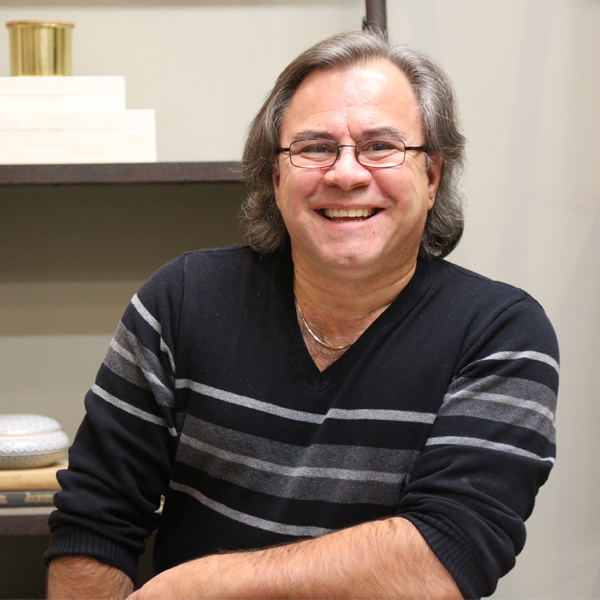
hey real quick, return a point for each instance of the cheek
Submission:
(297, 188)
(419, 189)
(400, 188)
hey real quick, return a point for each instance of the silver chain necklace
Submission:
(313, 334)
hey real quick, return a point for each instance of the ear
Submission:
(433, 174)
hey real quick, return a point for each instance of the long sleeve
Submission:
(120, 462)
(490, 449)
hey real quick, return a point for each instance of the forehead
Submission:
(360, 99)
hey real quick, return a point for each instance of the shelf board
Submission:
(159, 172)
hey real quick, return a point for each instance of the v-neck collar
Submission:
(303, 361)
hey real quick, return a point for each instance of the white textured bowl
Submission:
(30, 441)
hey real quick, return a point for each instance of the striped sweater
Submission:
(442, 412)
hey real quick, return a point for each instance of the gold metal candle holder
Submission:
(40, 47)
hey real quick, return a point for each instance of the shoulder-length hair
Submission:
(263, 223)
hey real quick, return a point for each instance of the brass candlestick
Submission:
(40, 47)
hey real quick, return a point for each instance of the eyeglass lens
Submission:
(379, 153)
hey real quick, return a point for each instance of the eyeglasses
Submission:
(378, 153)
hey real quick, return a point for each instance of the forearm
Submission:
(383, 559)
(84, 577)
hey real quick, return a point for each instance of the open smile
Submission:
(352, 215)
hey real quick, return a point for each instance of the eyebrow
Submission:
(385, 132)
(391, 132)
(312, 134)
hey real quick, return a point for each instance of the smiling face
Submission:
(365, 101)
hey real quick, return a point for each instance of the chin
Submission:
(350, 262)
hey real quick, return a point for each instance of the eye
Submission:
(378, 146)
(316, 149)
(313, 152)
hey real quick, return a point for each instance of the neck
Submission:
(337, 310)
(348, 297)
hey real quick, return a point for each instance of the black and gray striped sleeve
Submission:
(491, 447)
(120, 462)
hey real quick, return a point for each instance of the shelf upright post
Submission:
(376, 19)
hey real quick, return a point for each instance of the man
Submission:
(335, 411)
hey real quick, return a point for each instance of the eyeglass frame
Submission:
(356, 152)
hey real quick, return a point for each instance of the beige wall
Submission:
(527, 77)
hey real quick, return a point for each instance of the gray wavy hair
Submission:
(264, 226)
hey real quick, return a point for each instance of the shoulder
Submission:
(227, 254)
(197, 264)
(215, 257)
(454, 277)
(462, 289)
(209, 279)
(169, 283)
(491, 310)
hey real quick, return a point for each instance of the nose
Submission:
(347, 173)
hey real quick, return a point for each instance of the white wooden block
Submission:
(62, 93)
(88, 119)
(79, 137)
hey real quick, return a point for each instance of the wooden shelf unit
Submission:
(90, 223)
(160, 172)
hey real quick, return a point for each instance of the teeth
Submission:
(353, 212)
